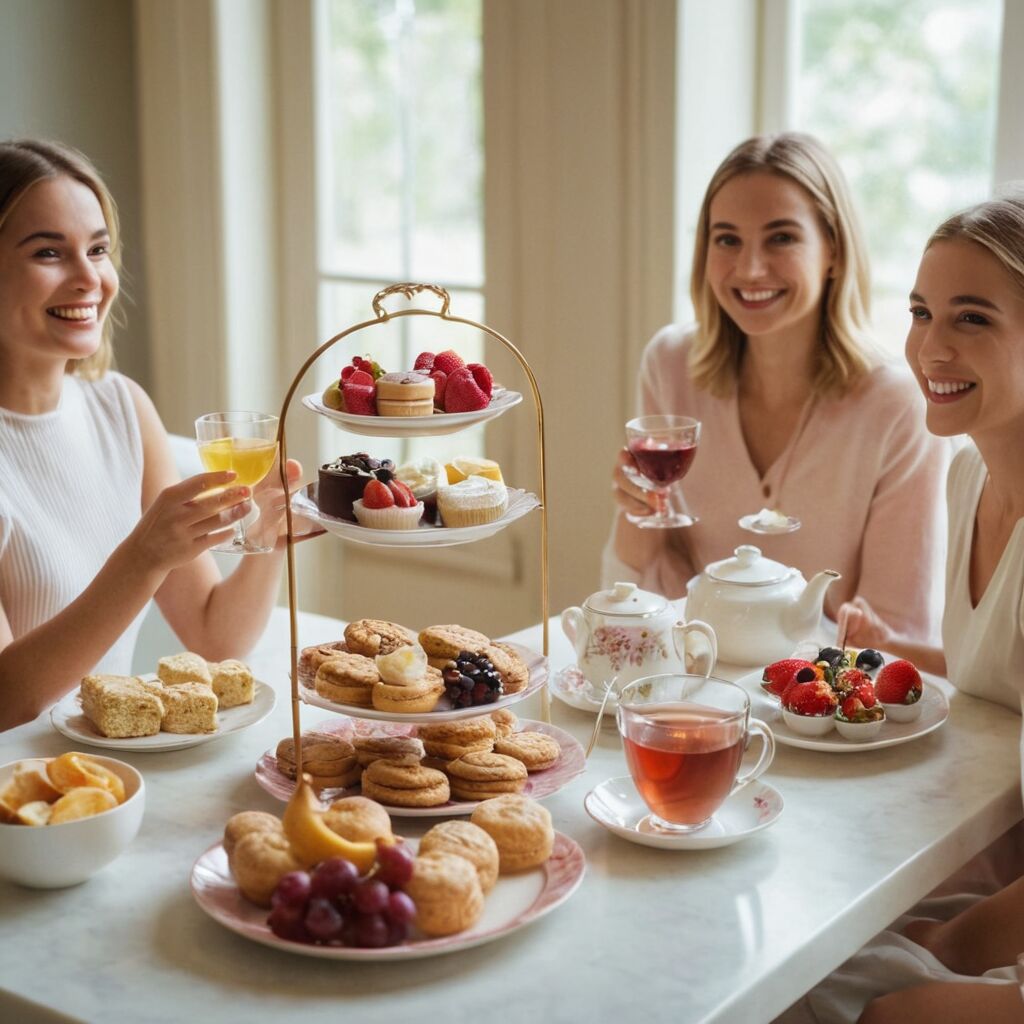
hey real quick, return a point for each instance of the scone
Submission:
(330, 760)
(189, 708)
(259, 861)
(415, 698)
(481, 776)
(405, 785)
(183, 668)
(371, 637)
(446, 890)
(520, 827)
(469, 841)
(232, 682)
(358, 819)
(445, 643)
(535, 749)
(399, 749)
(121, 706)
(515, 675)
(243, 823)
(347, 679)
(449, 740)
(505, 722)
(311, 658)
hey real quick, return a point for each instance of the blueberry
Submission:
(832, 655)
(869, 660)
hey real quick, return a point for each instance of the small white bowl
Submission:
(859, 732)
(55, 856)
(808, 725)
(903, 712)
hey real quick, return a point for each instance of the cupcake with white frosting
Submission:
(472, 502)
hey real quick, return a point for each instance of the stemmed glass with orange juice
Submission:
(245, 442)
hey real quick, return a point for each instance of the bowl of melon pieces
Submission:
(63, 818)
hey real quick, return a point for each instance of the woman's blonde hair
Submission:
(997, 224)
(26, 162)
(846, 349)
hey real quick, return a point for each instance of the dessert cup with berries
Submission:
(899, 689)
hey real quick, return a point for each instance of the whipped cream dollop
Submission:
(476, 492)
(771, 518)
(422, 475)
(404, 666)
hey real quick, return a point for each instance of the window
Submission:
(400, 177)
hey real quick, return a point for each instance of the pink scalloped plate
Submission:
(516, 901)
(571, 762)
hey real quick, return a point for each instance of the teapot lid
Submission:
(625, 599)
(748, 567)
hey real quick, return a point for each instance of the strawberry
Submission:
(424, 362)
(440, 379)
(402, 494)
(851, 706)
(377, 495)
(847, 680)
(462, 393)
(814, 699)
(448, 361)
(483, 378)
(359, 377)
(865, 693)
(360, 399)
(367, 365)
(781, 675)
(853, 709)
(899, 683)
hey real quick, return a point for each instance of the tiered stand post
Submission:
(382, 316)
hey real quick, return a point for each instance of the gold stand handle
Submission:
(409, 290)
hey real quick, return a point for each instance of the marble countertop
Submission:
(729, 935)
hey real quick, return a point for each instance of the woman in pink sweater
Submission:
(797, 413)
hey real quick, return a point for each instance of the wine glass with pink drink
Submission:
(663, 447)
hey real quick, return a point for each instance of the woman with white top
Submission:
(93, 519)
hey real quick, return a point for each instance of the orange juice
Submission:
(251, 458)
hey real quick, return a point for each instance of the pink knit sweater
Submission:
(864, 476)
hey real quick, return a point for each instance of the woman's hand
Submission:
(861, 625)
(187, 518)
(629, 495)
(272, 526)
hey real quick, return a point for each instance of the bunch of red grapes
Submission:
(336, 906)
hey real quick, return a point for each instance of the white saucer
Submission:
(750, 523)
(617, 806)
(571, 687)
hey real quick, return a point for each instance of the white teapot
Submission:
(629, 633)
(759, 609)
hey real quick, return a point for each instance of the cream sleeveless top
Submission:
(70, 492)
(985, 645)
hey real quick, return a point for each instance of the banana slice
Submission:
(311, 839)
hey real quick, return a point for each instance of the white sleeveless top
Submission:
(985, 645)
(70, 492)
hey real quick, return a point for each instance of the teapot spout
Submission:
(801, 619)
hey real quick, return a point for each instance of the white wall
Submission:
(67, 72)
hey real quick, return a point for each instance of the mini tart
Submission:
(472, 502)
(446, 890)
(391, 518)
(409, 698)
(407, 393)
(465, 840)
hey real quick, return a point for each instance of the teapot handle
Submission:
(574, 625)
(704, 655)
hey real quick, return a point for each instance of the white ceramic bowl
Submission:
(859, 732)
(55, 856)
(903, 712)
(808, 725)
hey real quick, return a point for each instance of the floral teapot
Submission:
(760, 609)
(630, 633)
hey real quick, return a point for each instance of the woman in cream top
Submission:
(796, 413)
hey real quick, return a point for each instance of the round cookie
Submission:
(411, 698)
(520, 827)
(243, 823)
(469, 841)
(260, 860)
(347, 679)
(358, 819)
(322, 754)
(371, 637)
(481, 775)
(505, 722)
(446, 890)
(450, 740)
(509, 665)
(535, 749)
(311, 658)
(405, 785)
(399, 749)
(443, 643)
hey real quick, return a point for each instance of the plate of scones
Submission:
(428, 770)
(187, 701)
(342, 886)
(386, 672)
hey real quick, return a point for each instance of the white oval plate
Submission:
(419, 426)
(934, 712)
(536, 663)
(67, 718)
(519, 504)
(571, 762)
(515, 901)
(751, 523)
(617, 806)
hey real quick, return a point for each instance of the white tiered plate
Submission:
(537, 665)
(934, 712)
(67, 718)
(515, 901)
(519, 503)
(420, 426)
(570, 763)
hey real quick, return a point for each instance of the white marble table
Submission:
(729, 936)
